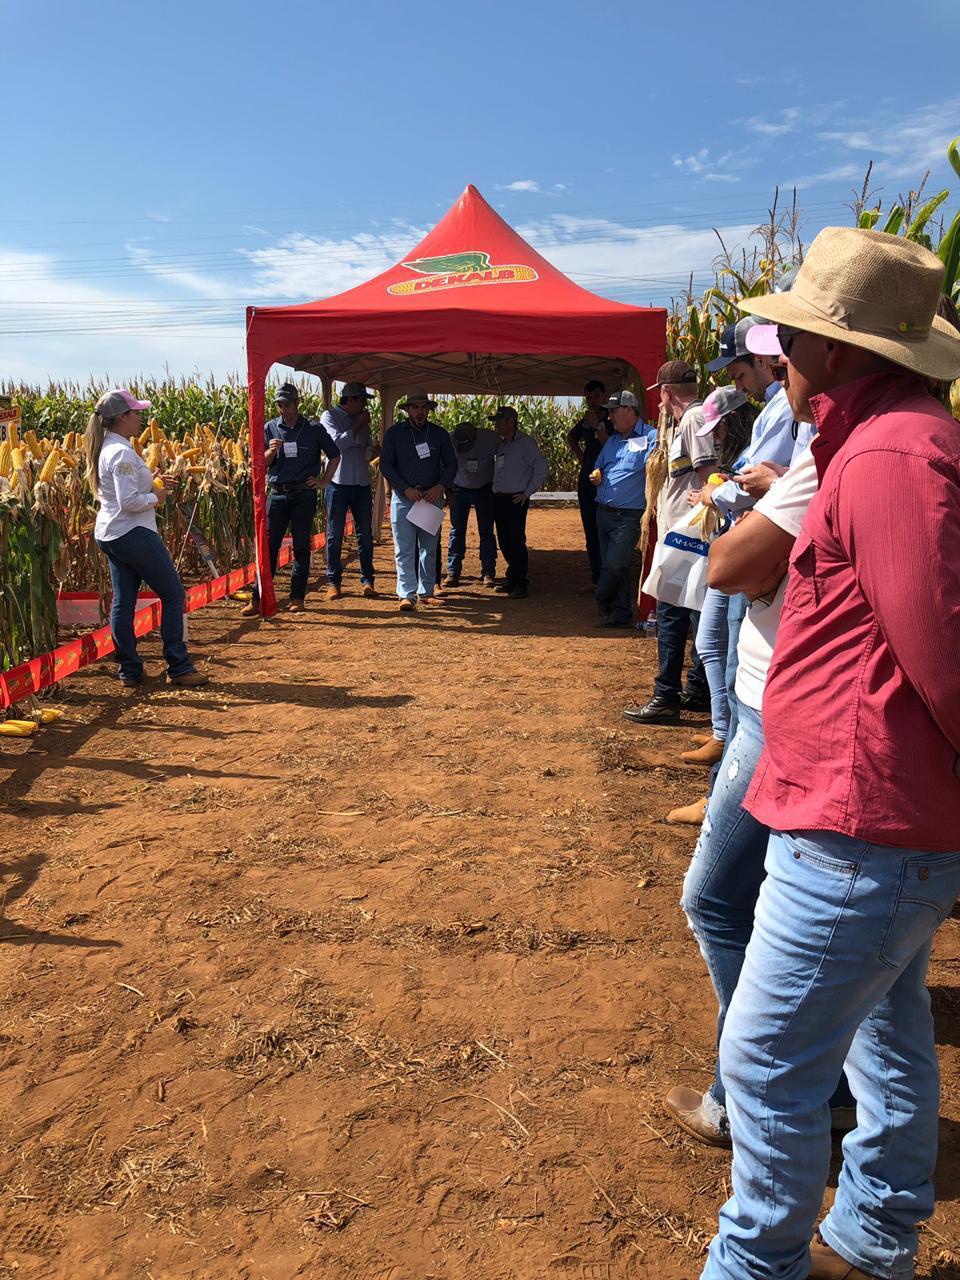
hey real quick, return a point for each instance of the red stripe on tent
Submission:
(50, 668)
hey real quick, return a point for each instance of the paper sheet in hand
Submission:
(426, 516)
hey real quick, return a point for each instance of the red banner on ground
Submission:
(50, 668)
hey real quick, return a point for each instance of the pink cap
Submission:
(119, 401)
(762, 340)
(717, 405)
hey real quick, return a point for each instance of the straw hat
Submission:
(875, 291)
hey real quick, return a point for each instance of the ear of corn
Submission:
(17, 728)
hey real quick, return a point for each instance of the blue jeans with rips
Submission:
(358, 500)
(834, 974)
(134, 558)
(415, 552)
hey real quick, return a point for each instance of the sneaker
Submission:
(452, 580)
(407, 606)
(503, 589)
(709, 754)
(691, 815)
(369, 591)
(489, 580)
(827, 1264)
(689, 1110)
(332, 592)
(189, 680)
(250, 610)
(296, 606)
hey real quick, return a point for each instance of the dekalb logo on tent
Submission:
(459, 270)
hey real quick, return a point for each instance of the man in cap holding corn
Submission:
(418, 462)
(349, 490)
(859, 783)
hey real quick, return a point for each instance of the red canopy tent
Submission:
(473, 308)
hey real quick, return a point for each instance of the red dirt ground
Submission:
(367, 960)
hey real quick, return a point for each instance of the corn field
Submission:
(198, 432)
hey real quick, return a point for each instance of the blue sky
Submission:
(168, 163)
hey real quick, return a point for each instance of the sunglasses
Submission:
(787, 336)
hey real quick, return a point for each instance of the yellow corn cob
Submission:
(17, 458)
(137, 446)
(197, 471)
(209, 433)
(13, 435)
(31, 441)
(156, 435)
(18, 729)
(5, 458)
(158, 485)
(49, 714)
(68, 460)
(190, 454)
(70, 440)
(49, 467)
(146, 435)
(152, 456)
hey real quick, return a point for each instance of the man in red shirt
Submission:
(859, 783)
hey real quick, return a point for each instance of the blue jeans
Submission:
(618, 531)
(358, 500)
(712, 647)
(587, 501)
(461, 502)
(674, 625)
(294, 511)
(136, 557)
(415, 552)
(736, 612)
(834, 972)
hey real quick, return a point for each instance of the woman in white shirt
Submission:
(126, 533)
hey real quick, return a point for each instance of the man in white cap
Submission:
(519, 471)
(349, 489)
(418, 462)
(859, 783)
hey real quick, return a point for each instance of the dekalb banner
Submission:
(459, 271)
(9, 417)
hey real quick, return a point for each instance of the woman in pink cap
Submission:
(126, 533)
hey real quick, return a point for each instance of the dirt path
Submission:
(367, 961)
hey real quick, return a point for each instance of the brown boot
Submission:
(369, 591)
(701, 739)
(452, 580)
(489, 580)
(686, 1107)
(692, 814)
(332, 592)
(250, 610)
(709, 754)
(189, 680)
(296, 606)
(827, 1264)
(407, 605)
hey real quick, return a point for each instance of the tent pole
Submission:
(257, 369)
(327, 385)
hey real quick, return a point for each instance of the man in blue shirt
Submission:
(519, 470)
(476, 452)
(621, 483)
(418, 462)
(294, 446)
(349, 490)
(586, 439)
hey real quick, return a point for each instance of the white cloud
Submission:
(205, 285)
(710, 169)
(523, 184)
(301, 266)
(784, 121)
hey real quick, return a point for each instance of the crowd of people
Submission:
(824, 474)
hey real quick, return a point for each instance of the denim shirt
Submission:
(623, 461)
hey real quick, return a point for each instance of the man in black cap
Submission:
(349, 489)
(476, 451)
(586, 439)
(691, 457)
(519, 471)
(294, 446)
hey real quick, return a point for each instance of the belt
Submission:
(622, 511)
(290, 488)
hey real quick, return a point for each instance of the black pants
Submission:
(510, 519)
(587, 498)
(294, 511)
(674, 626)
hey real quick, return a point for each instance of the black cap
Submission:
(733, 344)
(287, 394)
(503, 411)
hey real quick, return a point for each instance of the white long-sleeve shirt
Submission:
(127, 499)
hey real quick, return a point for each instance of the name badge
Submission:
(472, 467)
(423, 450)
(289, 448)
(637, 445)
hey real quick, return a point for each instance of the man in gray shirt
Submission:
(519, 470)
(476, 452)
(349, 490)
